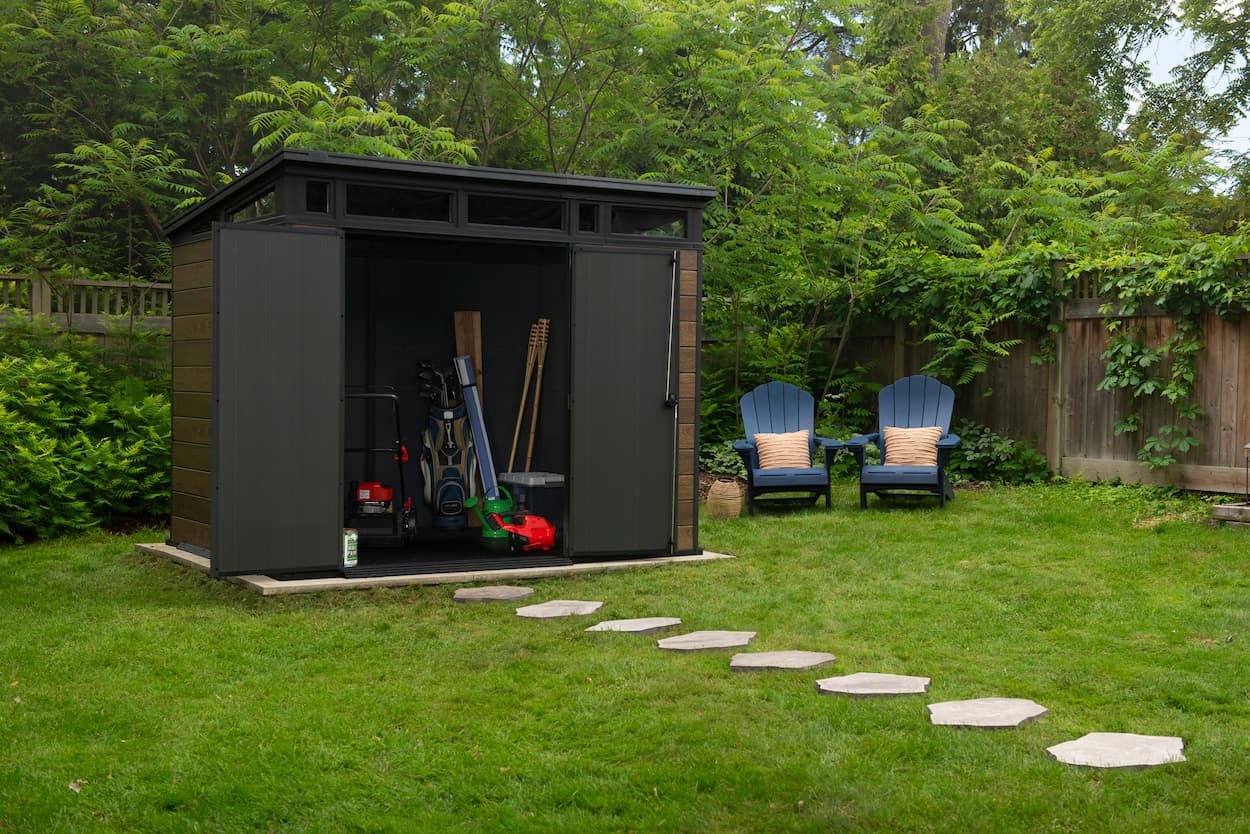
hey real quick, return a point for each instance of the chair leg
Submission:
(942, 498)
(750, 502)
(828, 496)
(863, 498)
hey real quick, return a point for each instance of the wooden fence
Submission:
(1058, 407)
(87, 306)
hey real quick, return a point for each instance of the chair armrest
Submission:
(831, 447)
(750, 457)
(859, 445)
(945, 446)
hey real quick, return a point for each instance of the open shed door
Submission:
(278, 399)
(624, 388)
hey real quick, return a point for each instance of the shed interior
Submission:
(401, 294)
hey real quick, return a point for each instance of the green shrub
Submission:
(81, 442)
(721, 459)
(983, 455)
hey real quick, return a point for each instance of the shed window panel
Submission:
(630, 220)
(317, 197)
(588, 217)
(404, 203)
(265, 205)
(496, 210)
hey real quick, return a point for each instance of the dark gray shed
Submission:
(317, 273)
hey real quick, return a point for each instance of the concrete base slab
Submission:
(698, 641)
(268, 586)
(784, 660)
(639, 625)
(492, 593)
(1107, 750)
(873, 684)
(989, 713)
(559, 608)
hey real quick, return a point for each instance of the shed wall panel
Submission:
(190, 406)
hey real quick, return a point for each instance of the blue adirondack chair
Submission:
(913, 402)
(778, 407)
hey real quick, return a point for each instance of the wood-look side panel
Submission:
(187, 253)
(191, 430)
(192, 456)
(191, 507)
(193, 353)
(192, 327)
(187, 531)
(192, 482)
(193, 378)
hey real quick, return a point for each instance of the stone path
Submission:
(492, 593)
(1119, 750)
(873, 684)
(990, 713)
(559, 608)
(698, 641)
(790, 660)
(1100, 750)
(640, 625)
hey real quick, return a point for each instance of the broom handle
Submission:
(525, 388)
(538, 392)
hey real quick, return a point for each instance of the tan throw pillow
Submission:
(784, 451)
(911, 447)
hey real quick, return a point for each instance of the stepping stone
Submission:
(993, 713)
(763, 661)
(492, 593)
(698, 641)
(1119, 750)
(870, 684)
(558, 608)
(641, 625)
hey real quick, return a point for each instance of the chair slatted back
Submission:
(778, 407)
(914, 402)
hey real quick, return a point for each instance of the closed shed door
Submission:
(278, 400)
(624, 430)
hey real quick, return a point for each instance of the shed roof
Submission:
(346, 164)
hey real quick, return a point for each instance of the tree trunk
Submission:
(935, 35)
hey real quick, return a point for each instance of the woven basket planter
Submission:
(724, 499)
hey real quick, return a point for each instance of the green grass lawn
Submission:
(188, 704)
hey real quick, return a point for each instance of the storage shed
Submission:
(317, 277)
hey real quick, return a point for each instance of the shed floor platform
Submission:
(269, 586)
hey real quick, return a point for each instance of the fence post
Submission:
(1057, 381)
(40, 296)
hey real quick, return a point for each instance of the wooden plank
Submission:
(685, 537)
(689, 283)
(193, 327)
(192, 430)
(185, 253)
(192, 276)
(685, 436)
(689, 334)
(192, 456)
(898, 355)
(1226, 479)
(192, 507)
(193, 302)
(193, 378)
(192, 482)
(192, 353)
(685, 488)
(191, 404)
(685, 513)
(467, 325)
(1230, 376)
(686, 385)
(686, 462)
(688, 259)
(688, 360)
(688, 308)
(1088, 308)
(686, 411)
(1243, 386)
(188, 531)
